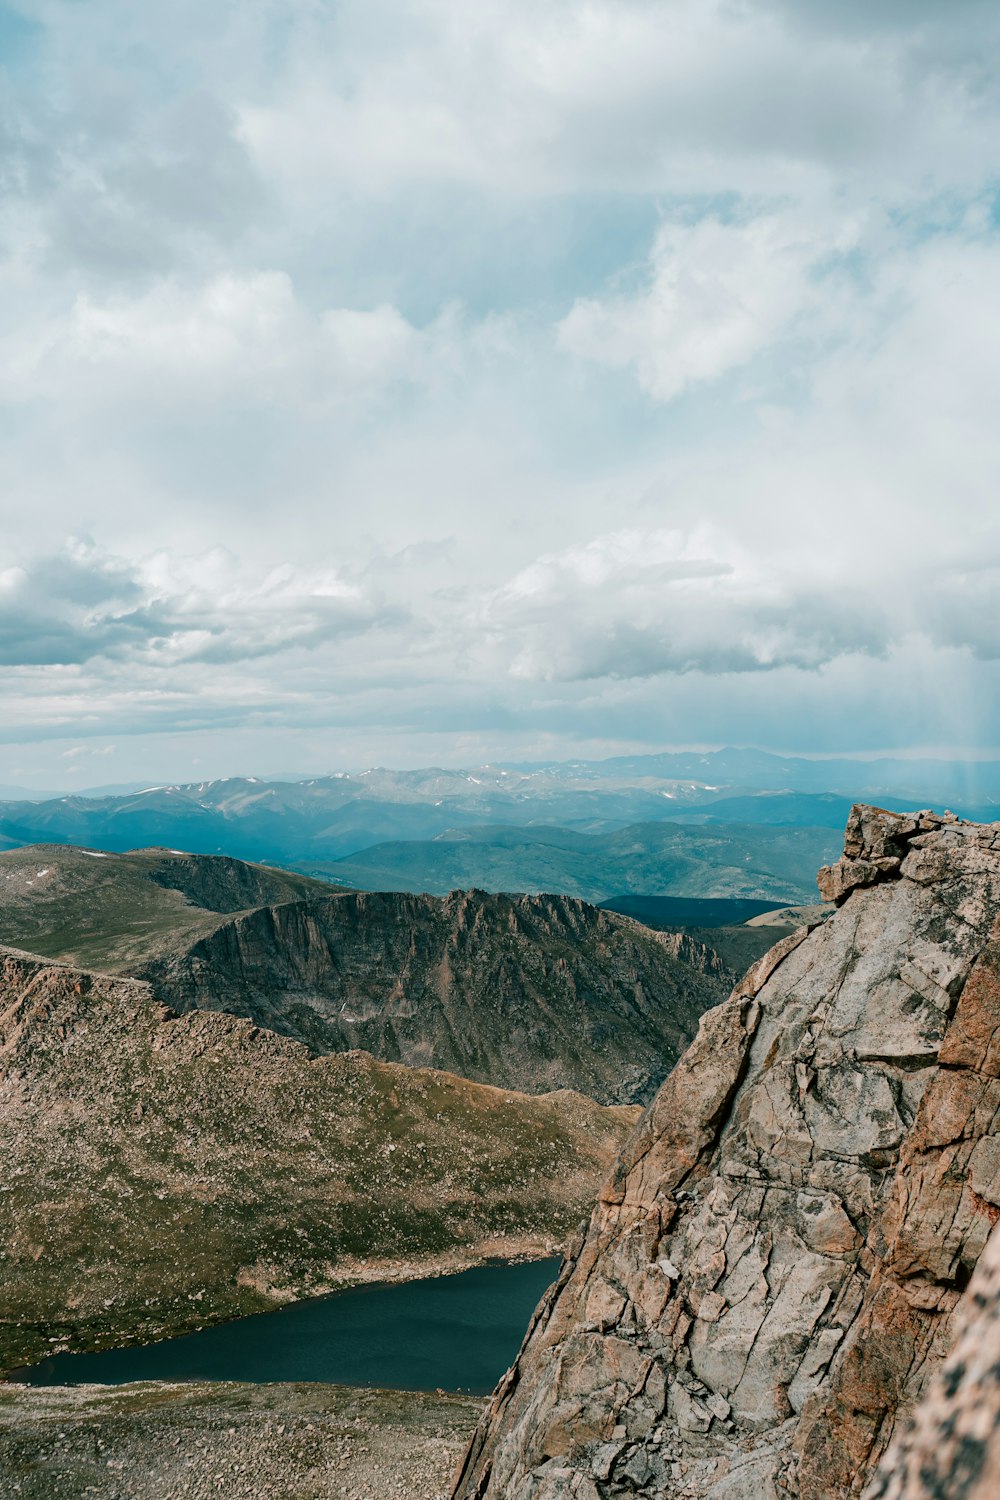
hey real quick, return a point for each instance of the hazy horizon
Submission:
(270, 774)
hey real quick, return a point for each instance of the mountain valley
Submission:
(163, 1171)
(781, 1251)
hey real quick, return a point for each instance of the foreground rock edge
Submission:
(774, 1265)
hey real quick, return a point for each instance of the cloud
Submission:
(578, 369)
(638, 604)
(621, 94)
(235, 336)
(716, 294)
(78, 606)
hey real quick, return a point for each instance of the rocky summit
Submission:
(782, 1254)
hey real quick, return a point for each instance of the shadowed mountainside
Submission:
(530, 992)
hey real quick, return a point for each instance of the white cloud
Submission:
(81, 606)
(236, 336)
(717, 293)
(642, 604)
(694, 95)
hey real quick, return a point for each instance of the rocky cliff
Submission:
(158, 1172)
(526, 992)
(772, 1271)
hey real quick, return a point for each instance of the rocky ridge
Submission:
(528, 992)
(533, 993)
(773, 1269)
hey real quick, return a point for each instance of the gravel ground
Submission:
(151, 1441)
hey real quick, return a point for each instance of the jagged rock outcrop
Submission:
(527, 992)
(159, 1172)
(771, 1272)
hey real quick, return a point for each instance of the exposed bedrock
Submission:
(771, 1274)
(528, 992)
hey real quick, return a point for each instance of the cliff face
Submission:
(773, 1267)
(158, 1172)
(526, 992)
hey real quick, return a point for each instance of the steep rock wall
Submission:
(527, 992)
(772, 1269)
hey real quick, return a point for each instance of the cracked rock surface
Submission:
(771, 1275)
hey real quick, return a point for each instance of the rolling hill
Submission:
(732, 861)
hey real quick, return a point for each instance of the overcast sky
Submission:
(421, 380)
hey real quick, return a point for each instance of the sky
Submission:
(411, 381)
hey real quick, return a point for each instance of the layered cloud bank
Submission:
(446, 378)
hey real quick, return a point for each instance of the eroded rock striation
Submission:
(771, 1274)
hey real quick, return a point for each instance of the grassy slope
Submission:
(108, 911)
(162, 1172)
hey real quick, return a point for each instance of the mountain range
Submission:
(718, 860)
(347, 810)
(527, 992)
(787, 1242)
(229, 1080)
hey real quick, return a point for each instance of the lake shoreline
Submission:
(456, 1333)
(355, 1272)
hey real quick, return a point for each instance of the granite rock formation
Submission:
(771, 1274)
(951, 1446)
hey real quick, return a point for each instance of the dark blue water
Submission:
(454, 1333)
